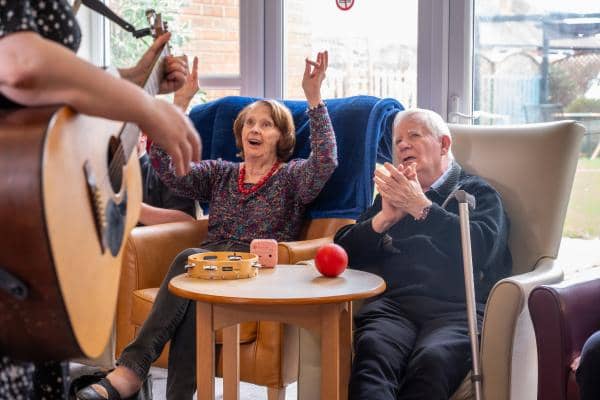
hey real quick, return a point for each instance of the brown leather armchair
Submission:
(268, 350)
(564, 316)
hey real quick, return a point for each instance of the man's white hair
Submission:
(430, 119)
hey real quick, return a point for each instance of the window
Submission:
(204, 28)
(537, 61)
(372, 47)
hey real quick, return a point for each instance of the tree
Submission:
(125, 50)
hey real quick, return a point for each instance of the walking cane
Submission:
(466, 201)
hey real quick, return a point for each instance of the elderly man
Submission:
(412, 342)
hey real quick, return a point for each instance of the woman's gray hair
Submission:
(430, 119)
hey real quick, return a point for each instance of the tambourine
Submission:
(222, 265)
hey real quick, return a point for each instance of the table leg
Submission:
(330, 351)
(345, 349)
(231, 362)
(205, 351)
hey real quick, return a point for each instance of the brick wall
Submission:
(214, 35)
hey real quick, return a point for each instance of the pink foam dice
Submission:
(266, 250)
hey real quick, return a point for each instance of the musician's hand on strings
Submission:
(170, 129)
(175, 75)
(175, 68)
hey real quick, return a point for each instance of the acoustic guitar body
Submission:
(64, 219)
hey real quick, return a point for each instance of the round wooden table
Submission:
(291, 294)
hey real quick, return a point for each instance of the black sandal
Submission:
(81, 388)
(84, 381)
(89, 393)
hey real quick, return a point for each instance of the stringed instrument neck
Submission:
(70, 193)
(129, 135)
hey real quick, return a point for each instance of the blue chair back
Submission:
(363, 130)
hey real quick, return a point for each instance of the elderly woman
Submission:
(264, 196)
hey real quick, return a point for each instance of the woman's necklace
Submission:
(258, 184)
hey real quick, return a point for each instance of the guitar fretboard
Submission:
(129, 134)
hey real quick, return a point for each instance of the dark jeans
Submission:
(409, 348)
(589, 369)
(171, 318)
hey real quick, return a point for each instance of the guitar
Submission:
(70, 193)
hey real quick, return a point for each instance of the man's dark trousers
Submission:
(410, 347)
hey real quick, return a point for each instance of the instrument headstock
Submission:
(156, 23)
(157, 28)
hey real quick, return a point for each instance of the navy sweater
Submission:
(424, 258)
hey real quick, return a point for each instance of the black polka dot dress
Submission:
(54, 20)
(16, 379)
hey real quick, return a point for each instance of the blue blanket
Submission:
(363, 129)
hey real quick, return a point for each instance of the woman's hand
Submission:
(186, 93)
(175, 68)
(314, 74)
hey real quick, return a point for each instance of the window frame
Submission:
(444, 66)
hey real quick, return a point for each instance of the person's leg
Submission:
(383, 341)
(164, 318)
(50, 380)
(441, 357)
(181, 379)
(589, 369)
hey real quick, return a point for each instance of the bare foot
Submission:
(124, 380)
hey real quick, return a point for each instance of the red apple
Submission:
(331, 260)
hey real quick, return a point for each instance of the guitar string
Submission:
(152, 87)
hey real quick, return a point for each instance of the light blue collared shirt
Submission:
(440, 181)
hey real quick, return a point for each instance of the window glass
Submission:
(205, 28)
(536, 61)
(372, 47)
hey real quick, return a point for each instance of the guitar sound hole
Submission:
(116, 215)
(116, 162)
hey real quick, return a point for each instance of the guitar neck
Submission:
(130, 133)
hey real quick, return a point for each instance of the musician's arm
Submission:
(36, 71)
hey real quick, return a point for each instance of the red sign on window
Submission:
(344, 5)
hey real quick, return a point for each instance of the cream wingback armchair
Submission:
(532, 166)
